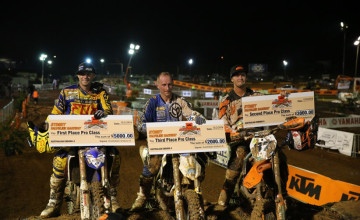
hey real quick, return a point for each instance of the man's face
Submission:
(165, 85)
(239, 79)
(85, 78)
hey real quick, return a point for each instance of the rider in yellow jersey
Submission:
(86, 98)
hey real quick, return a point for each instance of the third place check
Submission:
(185, 137)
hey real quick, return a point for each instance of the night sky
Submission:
(305, 33)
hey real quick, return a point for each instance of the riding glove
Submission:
(99, 114)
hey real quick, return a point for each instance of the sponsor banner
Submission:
(206, 103)
(339, 122)
(222, 158)
(147, 91)
(344, 84)
(259, 111)
(186, 93)
(85, 130)
(316, 189)
(336, 140)
(257, 68)
(209, 94)
(185, 137)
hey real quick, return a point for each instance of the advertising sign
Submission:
(259, 111)
(85, 130)
(336, 140)
(316, 189)
(340, 122)
(185, 137)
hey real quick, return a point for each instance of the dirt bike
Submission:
(262, 180)
(179, 181)
(87, 187)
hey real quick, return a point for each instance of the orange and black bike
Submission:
(262, 182)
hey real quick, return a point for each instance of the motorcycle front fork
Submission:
(279, 200)
(84, 187)
(179, 204)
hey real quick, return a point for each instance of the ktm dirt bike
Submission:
(87, 186)
(179, 182)
(263, 178)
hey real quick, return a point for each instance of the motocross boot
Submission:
(56, 196)
(143, 194)
(228, 187)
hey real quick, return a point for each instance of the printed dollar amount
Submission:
(304, 112)
(122, 135)
(215, 141)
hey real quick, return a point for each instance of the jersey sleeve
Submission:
(147, 116)
(104, 103)
(224, 114)
(187, 110)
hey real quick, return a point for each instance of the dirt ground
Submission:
(24, 182)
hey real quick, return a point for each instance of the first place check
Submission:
(85, 130)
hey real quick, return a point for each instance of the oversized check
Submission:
(185, 137)
(269, 110)
(85, 130)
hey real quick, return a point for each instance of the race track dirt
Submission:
(24, 182)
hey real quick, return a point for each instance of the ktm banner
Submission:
(316, 189)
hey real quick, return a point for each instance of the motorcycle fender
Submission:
(255, 174)
(189, 167)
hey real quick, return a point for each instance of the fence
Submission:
(7, 111)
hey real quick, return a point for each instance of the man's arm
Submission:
(105, 103)
(224, 114)
(188, 112)
(147, 116)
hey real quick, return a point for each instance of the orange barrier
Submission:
(316, 189)
(24, 109)
(270, 91)
(118, 106)
(197, 86)
(326, 92)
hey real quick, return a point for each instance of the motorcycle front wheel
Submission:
(97, 200)
(194, 209)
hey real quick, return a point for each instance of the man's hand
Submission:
(99, 114)
(200, 120)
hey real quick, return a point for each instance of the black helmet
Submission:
(85, 67)
(237, 69)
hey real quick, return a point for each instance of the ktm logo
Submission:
(305, 186)
(351, 196)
